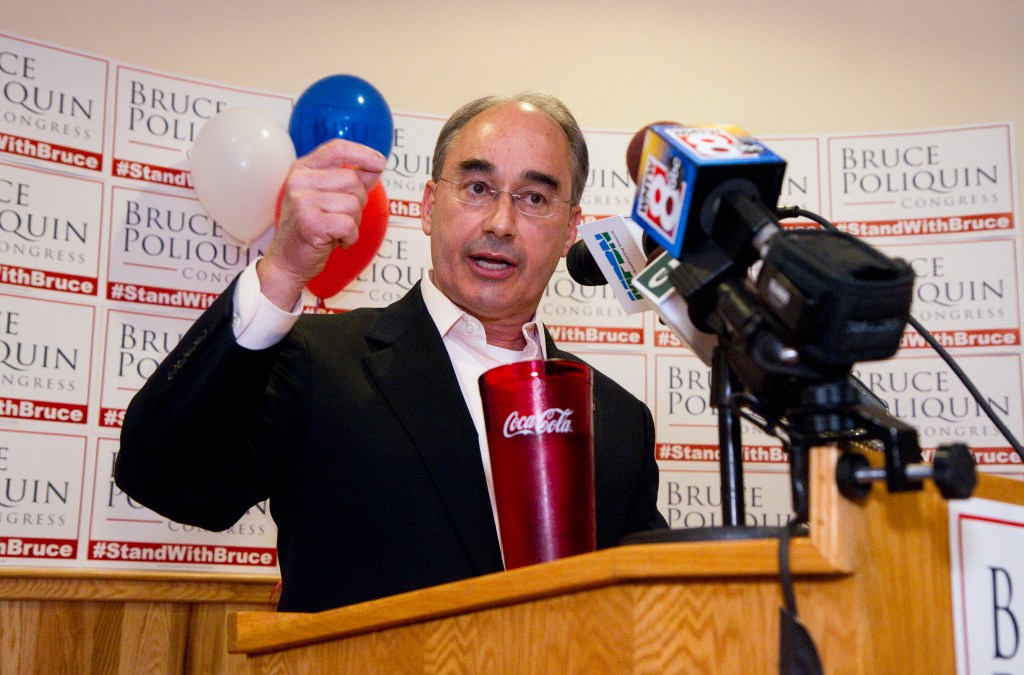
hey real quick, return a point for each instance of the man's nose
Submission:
(502, 216)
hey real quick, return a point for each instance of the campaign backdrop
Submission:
(107, 256)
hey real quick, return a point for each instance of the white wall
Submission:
(777, 67)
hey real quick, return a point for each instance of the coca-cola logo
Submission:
(551, 421)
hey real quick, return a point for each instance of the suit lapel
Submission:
(410, 365)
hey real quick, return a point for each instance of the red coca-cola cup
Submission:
(540, 433)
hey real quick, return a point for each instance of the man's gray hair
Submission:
(579, 160)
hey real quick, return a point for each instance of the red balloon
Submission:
(345, 264)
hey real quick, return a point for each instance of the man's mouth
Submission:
(491, 263)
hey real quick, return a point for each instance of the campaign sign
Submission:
(402, 259)
(964, 305)
(50, 230)
(123, 533)
(41, 479)
(44, 373)
(157, 118)
(986, 550)
(609, 190)
(802, 184)
(410, 162)
(166, 251)
(134, 345)
(691, 498)
(628, 370)
(952, 182)
(687, 423)
(589, 315)
(922, 391)
(53, 107)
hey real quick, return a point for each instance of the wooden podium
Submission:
(872, 588)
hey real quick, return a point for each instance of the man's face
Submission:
(492, 260)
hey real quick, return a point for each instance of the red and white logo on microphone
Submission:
(661, 194)
(715, 143)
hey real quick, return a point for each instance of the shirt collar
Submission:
(448, 316)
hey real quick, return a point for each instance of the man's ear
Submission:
(575, 216)
(427, 207)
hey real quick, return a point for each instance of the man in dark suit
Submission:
(365, 429)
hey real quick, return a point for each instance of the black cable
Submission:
(797, 652)
(962, 376)
(794, 211)
(785, 572)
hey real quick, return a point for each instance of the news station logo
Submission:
(715, 143)
(661, 195)
(617, 259)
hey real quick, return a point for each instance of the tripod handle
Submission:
(952, 469)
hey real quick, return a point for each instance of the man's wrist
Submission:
(277, 286)
(257, 321)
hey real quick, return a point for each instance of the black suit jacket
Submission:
(356, 430)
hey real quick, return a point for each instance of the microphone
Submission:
(607, 252)
(708, 164)
(580, 262)
(586, 271)
(684, 172)
(582, 266)
(655, 284)
(595, 264)
(820, 301)
(648, 283)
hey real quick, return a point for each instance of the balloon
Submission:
(341, 106)
(240, 159)
(345, 264)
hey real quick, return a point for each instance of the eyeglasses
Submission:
(536, 202)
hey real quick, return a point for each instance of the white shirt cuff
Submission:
(257, 322)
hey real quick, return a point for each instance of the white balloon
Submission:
(240, 159)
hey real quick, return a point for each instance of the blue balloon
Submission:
(341, 106)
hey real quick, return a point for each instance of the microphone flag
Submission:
(614, 248)
(653, 283)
